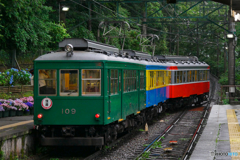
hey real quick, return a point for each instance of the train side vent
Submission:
(82, 44)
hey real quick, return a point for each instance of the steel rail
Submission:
(190, 146)
(94, 155)
(158, 138)
(196, 133)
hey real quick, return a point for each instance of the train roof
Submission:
(88, 50)
(93, 56)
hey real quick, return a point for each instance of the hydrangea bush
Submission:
(13, 77)
(22, 104)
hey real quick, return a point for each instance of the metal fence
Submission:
(230, 94)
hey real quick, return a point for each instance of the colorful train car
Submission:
(87, 96)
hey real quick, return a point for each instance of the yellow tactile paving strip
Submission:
(16, 124)
(234, 133)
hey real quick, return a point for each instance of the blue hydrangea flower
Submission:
(7, 73)
(14, 69)
(24, 71)
(11, 80)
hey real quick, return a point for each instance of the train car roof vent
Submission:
(138, 54)
(86, 44)
(176, 58)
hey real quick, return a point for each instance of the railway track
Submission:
(151, 149)
(177, 140)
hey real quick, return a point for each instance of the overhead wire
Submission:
(154, 29)
(130, 19)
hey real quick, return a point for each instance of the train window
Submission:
(129, 80)
(180, 76)
(203, 75)
(91, 82)
(196, 78)
(69, 82)
(176, 73)
(200, 75)
(151, 79)
(189, 76)
(135, 80)
(166, 78)
(142, 78)
(124, 81)
(108, 91)
(206, 75)
(120, 86)
(193, 76)
(114, 81)
(47, 82)
(158, 81)
(162, 77)
(184, 74)
(170, 77)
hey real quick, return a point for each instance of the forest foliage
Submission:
(33, 28)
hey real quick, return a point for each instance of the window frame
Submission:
(152, 80)
(130, 80)
(78, 87)
(142, 86)
(91, 95)
(114, 79)
(47, 79)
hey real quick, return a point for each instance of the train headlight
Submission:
(69, 48)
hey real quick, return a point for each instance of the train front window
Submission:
(47, 82)
(69, 82)
(91, 82)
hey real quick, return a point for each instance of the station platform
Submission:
(220, 139)
(15, 126)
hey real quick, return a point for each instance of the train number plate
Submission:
(69, 111)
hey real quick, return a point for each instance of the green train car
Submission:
(88, 93)
(79, 95)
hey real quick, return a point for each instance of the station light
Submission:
(40, 116)
(65, 8)
(230, 36)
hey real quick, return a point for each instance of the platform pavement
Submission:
(15, 126)
(223, 121)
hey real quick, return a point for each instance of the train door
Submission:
(141, 90)
(130, 97)
(114, 95)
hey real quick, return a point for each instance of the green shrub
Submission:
(12, 77)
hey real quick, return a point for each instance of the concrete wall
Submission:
(17, 146)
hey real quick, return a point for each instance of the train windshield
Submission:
(91, 82)
(69, 82)
(47, 82)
